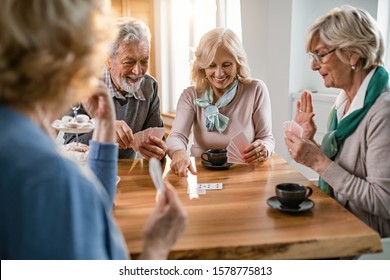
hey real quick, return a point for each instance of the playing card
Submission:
(241, 142)
(296, 129)
(293, 127)
(143, 136)
(236, 147)
(136, 141)
(233, 152)
(157, 132)
(233, 155)
(233, 159)
(210, 186)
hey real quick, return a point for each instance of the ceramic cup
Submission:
(215, 157)
(291, 195)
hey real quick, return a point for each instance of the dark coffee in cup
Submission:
(291, 195)
(215, 157)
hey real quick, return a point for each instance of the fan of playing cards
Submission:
(236, 147)
(143, 136)
(293, 127)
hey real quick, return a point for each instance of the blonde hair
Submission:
(50, 51)
(350, 30)
(205, 54)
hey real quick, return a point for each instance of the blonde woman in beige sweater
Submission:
(223, 102)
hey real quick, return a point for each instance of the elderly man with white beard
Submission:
(134, 92)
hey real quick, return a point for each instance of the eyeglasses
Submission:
(318, 57)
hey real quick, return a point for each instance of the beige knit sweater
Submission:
(360, 175)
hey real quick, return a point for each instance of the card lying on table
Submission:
(211, 186)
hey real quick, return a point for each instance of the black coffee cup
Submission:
(215, 157)
(291, 195)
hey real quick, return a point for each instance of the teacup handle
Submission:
(205, 159)
(309, 191)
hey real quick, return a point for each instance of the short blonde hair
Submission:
(349, 30)
(205, 54)
(50, 49)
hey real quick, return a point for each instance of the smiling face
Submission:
(221, 72)
(129, 65)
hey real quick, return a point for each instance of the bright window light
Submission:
(180, 26)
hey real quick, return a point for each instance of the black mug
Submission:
(291, 194)
(215, 157)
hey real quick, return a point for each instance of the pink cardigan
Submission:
(249, 112)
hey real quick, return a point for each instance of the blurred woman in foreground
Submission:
(50, 208)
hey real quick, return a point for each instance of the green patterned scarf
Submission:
(338, 132)
(214, 119)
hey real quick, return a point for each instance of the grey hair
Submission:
(130, 30)
(350, 30)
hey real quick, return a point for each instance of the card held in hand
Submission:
(236, 147)
(293, 127)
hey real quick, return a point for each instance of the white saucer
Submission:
(306, 205)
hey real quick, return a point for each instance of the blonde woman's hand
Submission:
(181, 163)
(255, 152)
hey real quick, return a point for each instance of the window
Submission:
(383, 23)
(179, 26)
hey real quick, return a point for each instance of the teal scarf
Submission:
(338, 132)
(214, 119)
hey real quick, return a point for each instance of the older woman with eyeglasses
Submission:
(353, 160)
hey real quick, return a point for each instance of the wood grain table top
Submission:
(236, 222)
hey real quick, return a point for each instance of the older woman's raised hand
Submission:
(304, 116)
(165, 225)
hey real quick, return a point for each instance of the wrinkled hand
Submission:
(164, 226)
(307, 153)
(153, 147)
(181, 163)
(255, 152)
(100, 107)
(304, 116)
(124, 135)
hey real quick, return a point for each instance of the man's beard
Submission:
(130, 87)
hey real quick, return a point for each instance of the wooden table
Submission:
(236, 222)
